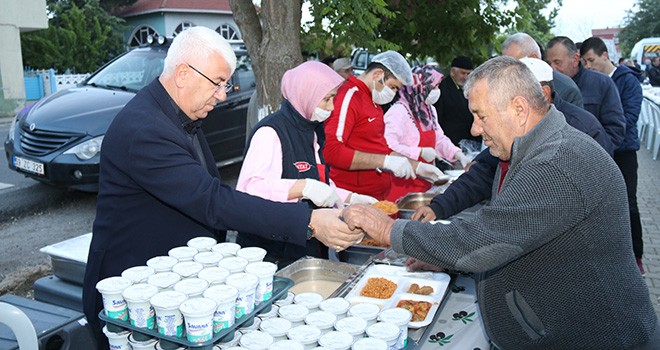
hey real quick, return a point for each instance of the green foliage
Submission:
(528, 17)
(642, 24)
(78, 38)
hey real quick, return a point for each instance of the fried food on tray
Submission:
(372, 242)
(419, 309)
(378, 287)
(386, 207)
(416, 289)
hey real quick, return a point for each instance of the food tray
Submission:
(281, 287)
(439, 281)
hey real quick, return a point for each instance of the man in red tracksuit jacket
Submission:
(355, 146)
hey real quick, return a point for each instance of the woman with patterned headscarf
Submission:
(412, 129)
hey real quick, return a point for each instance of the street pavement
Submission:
(648, 199)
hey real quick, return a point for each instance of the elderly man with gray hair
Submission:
(547, 251)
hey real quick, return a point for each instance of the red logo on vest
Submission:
(302, 166)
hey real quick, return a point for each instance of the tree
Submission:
(642, 24)
(528, 17)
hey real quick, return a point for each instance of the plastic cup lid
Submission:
(208, 258)
(113, 285)
(305, 334)
(138, 273)
(149, 342)
(383, 330)
(336, 340)
(214, 274)
(139, 292)
(191, 286)
(226, 248)
(182, 253)
(335, 305)
(365, 311)
(221, 294)
(261, 268)
(252, 254)
(234, 263)
(202, 243)
(397, 315)
(187, 268)
(276, 327)
(242, 281)
(164, 279)
(162, 262)
(198, 307)
(352, 325)
(256, 340)
(309, 299)
(321, 319)
(293, 312)
(370, 344)
(287, 344)
(113, 335)
(168, 300)
(287, 300)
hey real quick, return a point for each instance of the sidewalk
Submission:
(648, 199)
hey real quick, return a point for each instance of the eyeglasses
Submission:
(227, 87)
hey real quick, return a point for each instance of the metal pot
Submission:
(409, 203)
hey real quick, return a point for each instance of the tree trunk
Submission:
(273, 44)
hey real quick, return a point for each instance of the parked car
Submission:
(57, 140)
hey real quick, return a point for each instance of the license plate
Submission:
(29, 166)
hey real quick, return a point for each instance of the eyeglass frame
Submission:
(226, 86)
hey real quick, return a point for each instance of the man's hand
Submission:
(331, 231)
(321, 194)
(371, 220)
(399, 166)
(428, 172)
(423, 214)
(413, 264)
(361, 199)
(428, 154)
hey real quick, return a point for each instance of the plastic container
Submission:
(306, 335)
(336, 306)
(310, 300)
(264, 271)
(187, 269)
(336, 340)
(256, 340)
(352, 325)
(191, 287)
(369, 344)
(162, 263)
(183, 253)
(365, 311)
(117, 341)
(287, 300)
(230, 343)
(276, 327)
(234, 264)
(114, 304)
(389, 332)
(400, 317)
(246, 284)
(252, 254)
(164, 280)
(225, 313)
(214, 275)
(167, 347)
(251, 328)
(295, 313)
(325, 321)
(202, 244)
(140, 311)
(198, 318)
(227, 249)
(286, 344)
(169, 320)
(208, 258)
(138, 274)
(270, 314)
(148, 344)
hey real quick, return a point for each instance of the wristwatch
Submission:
(311, 231)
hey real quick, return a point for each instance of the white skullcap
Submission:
(542, 71)
(398, 65)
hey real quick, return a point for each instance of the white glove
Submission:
(362, 199)
(321, 194)
(465, 160)
(428, 154)
(428, 172)
(399, 166)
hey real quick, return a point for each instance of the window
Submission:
(139, 37)
(228, 32)
(181, 27)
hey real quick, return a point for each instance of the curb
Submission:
(30, 203)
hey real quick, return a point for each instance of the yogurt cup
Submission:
(149, 344)
(295, 313)
(138, 274)
(114, 304)
(234, 264)
(164, 280)
(256, 322)
(214, 275)
(307, 335)
(389, 332)
(369, 344)
(286, 344)
(366, 311)
(198, 318)
(169, 320)
(162, 263)
(183, 253)
(233, 343)
(310, 300)
(400, 317)
(208, 258)
(168, 346)
(270, 314)
(202, 243)
(286, 300)
(191, 287)
(264, 271)
(252, 254)
(276, 327)
(321, 319)
(225, 298)
(246, 284)
(140, 311)
(352, 325)
(336, 340)
(226, 248)
(117, 341)
(187, 269)
(335, 306)
(256, 340)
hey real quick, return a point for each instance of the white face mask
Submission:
(433, 96)
(384, 96)
(320, 115)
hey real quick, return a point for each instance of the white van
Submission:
(647, 48)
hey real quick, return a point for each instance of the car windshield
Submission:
(131, 72)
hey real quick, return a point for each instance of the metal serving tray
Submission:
(69, 258)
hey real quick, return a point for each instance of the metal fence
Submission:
(40, 83)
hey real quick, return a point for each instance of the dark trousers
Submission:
(627, 162)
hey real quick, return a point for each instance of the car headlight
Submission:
(87, 149)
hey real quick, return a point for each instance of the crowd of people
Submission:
(553, 243)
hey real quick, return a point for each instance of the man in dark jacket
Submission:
(654, 72)
(595, 56)
(159, 186)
